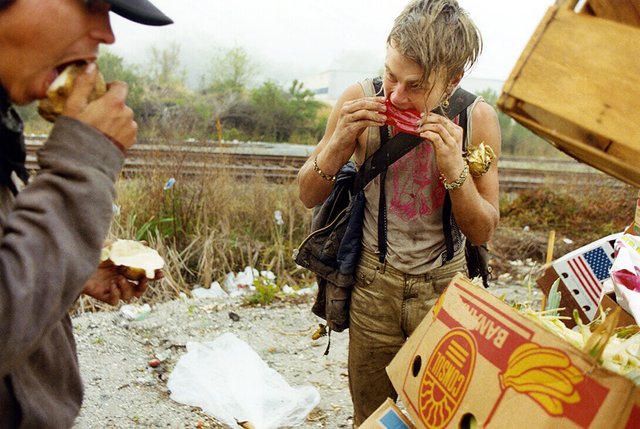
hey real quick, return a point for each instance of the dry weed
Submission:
(207, 225)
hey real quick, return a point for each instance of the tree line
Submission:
(227, 105)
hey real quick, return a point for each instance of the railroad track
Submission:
(272, 161)
(281, 162)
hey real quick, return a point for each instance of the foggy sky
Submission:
(289, 39)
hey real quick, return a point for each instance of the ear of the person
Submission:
(454, 83)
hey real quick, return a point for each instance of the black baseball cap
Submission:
(140, 11)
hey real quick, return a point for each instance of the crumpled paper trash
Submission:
(625, 274)
(229, 381)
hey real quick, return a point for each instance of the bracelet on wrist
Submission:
(458, 182)
(325, 176)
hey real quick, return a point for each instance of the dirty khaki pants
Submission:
(386, 306)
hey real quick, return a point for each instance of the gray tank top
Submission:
(415, 199)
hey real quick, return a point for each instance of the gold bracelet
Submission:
(458, 182)
(321, 173)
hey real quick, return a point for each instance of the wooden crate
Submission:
(576, 84)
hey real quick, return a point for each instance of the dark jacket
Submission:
(52, 233)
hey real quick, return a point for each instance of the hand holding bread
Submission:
(80, 93)
(133, 259)
(60, 90)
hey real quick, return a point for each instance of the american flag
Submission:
(584, 273)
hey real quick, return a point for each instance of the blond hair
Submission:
(439, 36)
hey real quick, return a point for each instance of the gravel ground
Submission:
(124, 391)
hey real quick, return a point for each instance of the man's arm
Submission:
(53, 235)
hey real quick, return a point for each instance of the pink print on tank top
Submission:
(417, 191)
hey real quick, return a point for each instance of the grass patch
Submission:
(584, 215)
(208, 225)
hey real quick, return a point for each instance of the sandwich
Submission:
(60, 89)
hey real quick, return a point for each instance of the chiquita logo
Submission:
(446, 378)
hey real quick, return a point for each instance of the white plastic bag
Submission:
(229, 381)
(214, 291)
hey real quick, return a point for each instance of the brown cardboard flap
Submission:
(609, 303)
(567, 302)
(475, 356)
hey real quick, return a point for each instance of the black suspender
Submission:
(446, 209)
(458, 103)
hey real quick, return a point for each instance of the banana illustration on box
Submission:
(544, 374)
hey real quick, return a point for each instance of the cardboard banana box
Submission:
(476, 360)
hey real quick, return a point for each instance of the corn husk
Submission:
(614, 348)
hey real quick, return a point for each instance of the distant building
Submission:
(476, 85)
(329, 85)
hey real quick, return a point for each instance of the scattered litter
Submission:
(169, 184)
(625, 273)
(244, 281)
(135, 312)
(288, 290)
(214, 291)
(278, 217)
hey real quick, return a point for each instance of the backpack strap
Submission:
(446, 209)
(458, 103)
(463, 97)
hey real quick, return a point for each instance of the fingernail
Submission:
(91, 67)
